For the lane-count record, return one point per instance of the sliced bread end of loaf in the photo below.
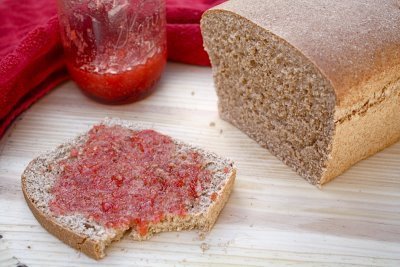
(92, 238)
(271, 92)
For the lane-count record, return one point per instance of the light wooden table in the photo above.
(273, 216)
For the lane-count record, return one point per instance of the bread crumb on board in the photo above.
(204, 247)
(202, 235)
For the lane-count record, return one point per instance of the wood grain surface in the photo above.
(273, 217)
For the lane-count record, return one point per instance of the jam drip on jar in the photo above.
(125, 178)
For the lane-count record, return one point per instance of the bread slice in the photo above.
(91, 236)
(317, 82)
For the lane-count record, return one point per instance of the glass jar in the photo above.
(115, 50)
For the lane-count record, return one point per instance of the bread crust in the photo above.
(363, 135)
(96, 248)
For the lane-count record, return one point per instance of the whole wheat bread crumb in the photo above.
(92, 238)
(295, 129)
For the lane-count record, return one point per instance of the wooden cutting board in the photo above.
(273, 216)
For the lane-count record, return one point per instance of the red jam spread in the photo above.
(122, 178)
(121, 87)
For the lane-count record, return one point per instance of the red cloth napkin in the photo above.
(185, 43)
(31, 62)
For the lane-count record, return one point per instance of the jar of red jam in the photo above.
(115, 50)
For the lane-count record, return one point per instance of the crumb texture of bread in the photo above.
(315, 82)
(90, 237)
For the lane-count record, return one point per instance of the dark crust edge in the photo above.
(80, 242)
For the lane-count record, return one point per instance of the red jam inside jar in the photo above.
(124, 87)
(115, 50)
(125, 178)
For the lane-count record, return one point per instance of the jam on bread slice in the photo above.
(120, 176)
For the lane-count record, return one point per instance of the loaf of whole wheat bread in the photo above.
(317, 82)
(119, 176)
